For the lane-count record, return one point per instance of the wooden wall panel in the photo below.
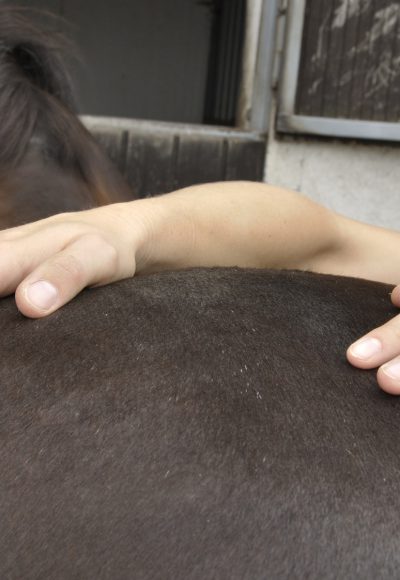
(245, 161)
(115, 145)
(200, 160)
(150, 162)
(158, 158)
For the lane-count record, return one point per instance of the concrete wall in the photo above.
(359, 180)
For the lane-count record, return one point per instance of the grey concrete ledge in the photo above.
(97, 123)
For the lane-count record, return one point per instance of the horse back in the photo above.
(200, 424)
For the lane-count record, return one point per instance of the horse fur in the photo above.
(199, 424)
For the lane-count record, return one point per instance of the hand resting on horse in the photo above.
(48, 262)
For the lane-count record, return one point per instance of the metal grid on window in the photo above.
(344, 78)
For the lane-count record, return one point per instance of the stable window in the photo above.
(341, 73)
(160, 87)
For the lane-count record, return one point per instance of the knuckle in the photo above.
(69, 265)
(111, 259)
(96, 243)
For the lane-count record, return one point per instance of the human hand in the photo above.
(381, 348)
(48, 262)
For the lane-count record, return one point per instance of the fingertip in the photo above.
(37, 299)
(388, 377)
(395, 296)
(364, 352)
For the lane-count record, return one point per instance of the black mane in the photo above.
(39, 127)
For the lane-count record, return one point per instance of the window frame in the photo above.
(289, 122)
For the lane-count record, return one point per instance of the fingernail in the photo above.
(392, 370)
(42, 294)
(366, 348)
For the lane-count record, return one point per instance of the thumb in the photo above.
(87, 261)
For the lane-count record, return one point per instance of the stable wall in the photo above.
(359, 180)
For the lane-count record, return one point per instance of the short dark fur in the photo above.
(41, 137)
(192, 425)
(200, 424)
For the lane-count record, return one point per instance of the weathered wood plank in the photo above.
(114, 143)
(160, 157)
(200, 159)
(245, 160)
(150, 162)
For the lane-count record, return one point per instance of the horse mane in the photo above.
(39, 127)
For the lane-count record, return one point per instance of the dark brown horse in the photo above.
(192, 425)
(49, 163)
(201, 424)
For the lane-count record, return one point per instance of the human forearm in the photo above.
(234, 224)
(251, 224)
(366, 251)
(220, 224)
(48, 262)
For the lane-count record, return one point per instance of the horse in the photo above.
(49, 162)
(191, 424)
(198, 424)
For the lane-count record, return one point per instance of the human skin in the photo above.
(243, 224)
